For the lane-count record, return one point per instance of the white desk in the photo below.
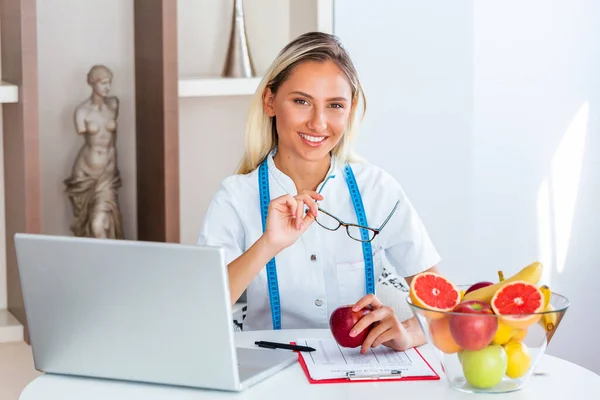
(562, 379)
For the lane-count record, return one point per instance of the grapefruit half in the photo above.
(519, 303)
(434, 292)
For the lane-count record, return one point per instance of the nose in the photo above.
(317, 123)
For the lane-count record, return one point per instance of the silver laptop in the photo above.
(136, 311)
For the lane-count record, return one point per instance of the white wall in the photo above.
(488, 114)
(537, 152)
(415, 63)
(74, 35)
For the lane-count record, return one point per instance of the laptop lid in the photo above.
(132, 310)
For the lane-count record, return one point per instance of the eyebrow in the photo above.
(312, 98)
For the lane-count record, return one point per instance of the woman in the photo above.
(299, 136)
(95, 178)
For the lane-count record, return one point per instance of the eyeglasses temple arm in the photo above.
(389, 216)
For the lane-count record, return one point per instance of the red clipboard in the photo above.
(434, 377)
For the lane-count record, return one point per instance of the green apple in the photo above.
(486, 367)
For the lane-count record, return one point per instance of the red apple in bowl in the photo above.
(478, 285)
(341, 322)
(476, 327)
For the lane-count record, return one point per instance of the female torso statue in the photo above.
(95, 179)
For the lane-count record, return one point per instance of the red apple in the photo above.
(341, 322)
(478, 285)
(475, 327)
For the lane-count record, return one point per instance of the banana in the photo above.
(548, 321)
(531, 273)
(547, 294)
(500, 276)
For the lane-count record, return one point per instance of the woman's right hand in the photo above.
(286, 220)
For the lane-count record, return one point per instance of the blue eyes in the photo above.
(303, 102)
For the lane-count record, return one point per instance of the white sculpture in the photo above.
(95, 179)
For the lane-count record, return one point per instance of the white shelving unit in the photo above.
(9, 93)
(208, 87)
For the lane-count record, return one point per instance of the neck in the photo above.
(97, 99)
(306, 174)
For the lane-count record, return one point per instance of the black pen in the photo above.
(273, 345)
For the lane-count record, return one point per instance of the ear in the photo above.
(268, 98)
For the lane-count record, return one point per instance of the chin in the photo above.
(314, 155)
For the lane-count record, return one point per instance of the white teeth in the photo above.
(313, 138)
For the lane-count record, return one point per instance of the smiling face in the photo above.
(312, 108)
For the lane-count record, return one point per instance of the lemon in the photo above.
(519, 359)
(519, 334)
(503, 334)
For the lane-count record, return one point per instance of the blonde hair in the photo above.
(261, 133)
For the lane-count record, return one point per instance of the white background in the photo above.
(488, 114)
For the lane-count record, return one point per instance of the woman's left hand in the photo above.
(387, 330)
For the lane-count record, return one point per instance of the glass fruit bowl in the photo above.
(488, 353)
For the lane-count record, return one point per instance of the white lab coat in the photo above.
(323, 269)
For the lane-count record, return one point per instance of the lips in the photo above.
(312, 140)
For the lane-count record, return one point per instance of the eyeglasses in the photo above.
(357, 232)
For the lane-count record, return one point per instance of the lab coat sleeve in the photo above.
(222, 226)
(406, 242)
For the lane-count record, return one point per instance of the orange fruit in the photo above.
(439, 329)
(433, 292)
(518, 302)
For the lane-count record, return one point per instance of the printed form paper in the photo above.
(331, 361)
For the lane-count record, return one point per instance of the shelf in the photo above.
(9, 93)
(207, 87)
(11, 329)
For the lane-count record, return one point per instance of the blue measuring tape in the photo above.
(265, 199)
(362, 220)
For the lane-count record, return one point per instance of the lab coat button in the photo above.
(318, 302)
(313, 257)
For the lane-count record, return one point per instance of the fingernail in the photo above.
(353, 332)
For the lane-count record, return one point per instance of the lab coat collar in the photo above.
(288, 184)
